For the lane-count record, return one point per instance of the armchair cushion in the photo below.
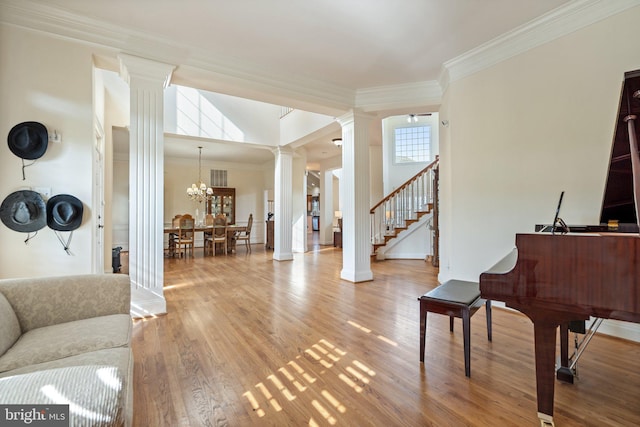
(67, 339)
(9, 326)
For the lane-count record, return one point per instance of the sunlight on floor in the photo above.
(355, 374)
(368, 331)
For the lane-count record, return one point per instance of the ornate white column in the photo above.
(147, 80)
(354, 189)
(283, 198)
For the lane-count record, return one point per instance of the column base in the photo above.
(356, 276)
(146, 303)
(281, 256)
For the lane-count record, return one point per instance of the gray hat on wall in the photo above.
(64, 212)
(28, 140)
(23, 211)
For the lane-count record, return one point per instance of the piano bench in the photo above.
(454, 298)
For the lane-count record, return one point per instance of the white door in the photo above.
(98, 201)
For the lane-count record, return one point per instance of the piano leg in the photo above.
(545, 351)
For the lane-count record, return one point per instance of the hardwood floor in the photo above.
(251, 341)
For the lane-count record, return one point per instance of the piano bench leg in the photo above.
(454, 299)
(466, 331)
(423, 328)
(487, 307)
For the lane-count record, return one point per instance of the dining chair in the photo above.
(173, 237)
(220, 233)
(186, 234)
(246, 234)
(209, 221)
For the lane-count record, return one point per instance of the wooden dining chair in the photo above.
(220, 233)
(173, 237)
(209, 221)
(186, 234)
(246, 234)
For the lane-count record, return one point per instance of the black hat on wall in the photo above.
(64, 212)
(28, 140)
(23, 211)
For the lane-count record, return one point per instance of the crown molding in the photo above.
(559, 22)
(399, 96)
(197, 68)
(229, 75)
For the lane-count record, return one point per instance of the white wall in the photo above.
(49, 81)
(259, 122)
(524, 130)
(376, 186)
(396, 174)
(298, 124)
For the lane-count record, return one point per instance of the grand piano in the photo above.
(592, 270)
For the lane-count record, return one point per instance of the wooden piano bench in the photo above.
(454, 298)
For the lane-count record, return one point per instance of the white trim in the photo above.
(619, 329)
(308, 92)
(559, 22)
(223, 73)
(417, 94)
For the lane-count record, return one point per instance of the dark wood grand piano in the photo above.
(590, 271)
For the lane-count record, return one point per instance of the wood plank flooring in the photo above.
(249, 341)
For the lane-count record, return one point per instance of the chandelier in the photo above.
(199, 191)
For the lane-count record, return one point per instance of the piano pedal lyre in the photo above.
(567, 373)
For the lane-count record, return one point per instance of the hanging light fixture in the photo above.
(337, 142)
(199, 191)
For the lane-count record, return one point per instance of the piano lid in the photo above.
(618, 203)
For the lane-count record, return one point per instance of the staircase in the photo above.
(405, 206)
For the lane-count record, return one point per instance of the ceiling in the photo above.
(334, 47)
(350, 44)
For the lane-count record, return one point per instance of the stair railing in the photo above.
(403, 206)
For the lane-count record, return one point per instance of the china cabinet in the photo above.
(223, 201)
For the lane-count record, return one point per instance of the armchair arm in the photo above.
(47, 301)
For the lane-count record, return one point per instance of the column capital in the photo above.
(145, 69)
(350, 117)
(282, 149)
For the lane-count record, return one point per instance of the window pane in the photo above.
(412, 144)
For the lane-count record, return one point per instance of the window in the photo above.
(412, 144)
(197, 116)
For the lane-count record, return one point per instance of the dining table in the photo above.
(232, 230)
